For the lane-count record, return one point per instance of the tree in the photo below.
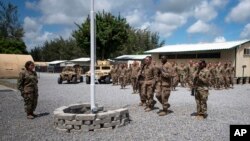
(12, 47)
(57, 49)
(111, 33)
(10, 27)
(11, 31)
(114, 37)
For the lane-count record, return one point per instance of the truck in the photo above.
(102, 72)
(70, 74)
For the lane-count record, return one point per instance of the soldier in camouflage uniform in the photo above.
(149, 84)
(182, 74)
(27, 84)
(163, 95)
(122, 76)
(201, 83)
(226, 76)
(157, 79)
(191, 69)
(113, 74)
(128, 76)
(232, 72)
(134, 72)
(139, 82)
(118, 72)
(175, 77)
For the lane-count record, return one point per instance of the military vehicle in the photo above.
(102, 72)
(70, 74)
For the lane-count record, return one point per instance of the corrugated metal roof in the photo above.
(81, 60)
(131, 57)
(197, 47)
(56, 62)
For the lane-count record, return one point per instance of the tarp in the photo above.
(12, 64)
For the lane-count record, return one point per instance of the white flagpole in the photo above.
(92, 64)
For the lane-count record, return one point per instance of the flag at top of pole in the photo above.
(92, 57)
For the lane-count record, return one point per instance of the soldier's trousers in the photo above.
(163, 97)
(182, 80)
(143, 97)
(148, 90)
(30, 102)
(133, 83)
(113, 77)
(122, 81)
(201, 97)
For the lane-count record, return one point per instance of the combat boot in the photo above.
(30, 116)
(34, 115)
(163, 113)
(148, 109)
(199, 117)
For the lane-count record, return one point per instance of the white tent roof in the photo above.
(56, 62)
(197, 47)
(131, 57)
(80, 60)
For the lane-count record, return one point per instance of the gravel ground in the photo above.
(225, 107)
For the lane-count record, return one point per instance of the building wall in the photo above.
(243, 60)
(12, 64)
(226, 55)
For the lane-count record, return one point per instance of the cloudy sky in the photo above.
(177, 21)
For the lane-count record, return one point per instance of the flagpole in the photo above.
(92, 64)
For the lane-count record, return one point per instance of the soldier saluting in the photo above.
(202, 84)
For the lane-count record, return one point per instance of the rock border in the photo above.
(67, 119)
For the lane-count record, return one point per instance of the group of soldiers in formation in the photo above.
(149, 78)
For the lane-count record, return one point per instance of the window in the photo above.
(106, 68)
(208, 55)
(169, 56)
(246, 51)
(186, 56)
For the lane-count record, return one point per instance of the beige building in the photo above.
(12, 64)
(237, 52)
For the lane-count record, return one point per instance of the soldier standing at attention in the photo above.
(113, 74)
(134, 71)
(232, 72)
(122, 76)
(139, 82)
(182, 75)
(118, 72)
(163, 96)
(201, 83)
(27, 84)
(149, 84)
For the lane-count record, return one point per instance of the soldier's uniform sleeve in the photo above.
(20, 82)
(36, 77)
(204, 77)
(166, 71)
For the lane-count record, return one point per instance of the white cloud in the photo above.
(219, 3)
(240, 13)
(245, 32)
(163, 16)
(205, 12)
(176, 6)
(219, 39)
(199, 27)
(33, 35)
(135, 18)
(166, 23)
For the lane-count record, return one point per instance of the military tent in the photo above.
(12, 64)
